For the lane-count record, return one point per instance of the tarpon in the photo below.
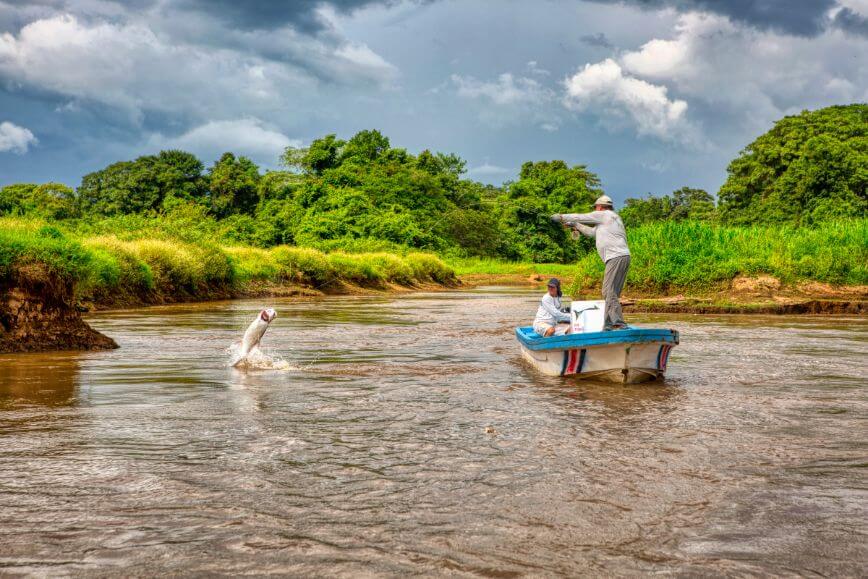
(254, 333)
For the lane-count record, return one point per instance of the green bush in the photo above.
(130, 273)
(391, 267)
(26, 242)
(251, 263)
(356, 268)
(303, 265)
(428, 267)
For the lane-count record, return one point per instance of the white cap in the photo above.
(604, 200)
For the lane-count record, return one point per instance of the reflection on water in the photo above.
(37, 379)
(410, 437)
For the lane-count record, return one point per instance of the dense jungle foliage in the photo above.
(364, 195)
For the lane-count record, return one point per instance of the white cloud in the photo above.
(858, 6)
(187, 70)
(754, 76)
(663, 59)
(506, 90)
(15, 139)
(734, 74)
(248, 136)
(603, 87)
(365, 58)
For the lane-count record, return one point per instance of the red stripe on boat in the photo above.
(574, 359)
(664, 356)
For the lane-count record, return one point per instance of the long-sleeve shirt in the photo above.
(549, 311)
(608, 230)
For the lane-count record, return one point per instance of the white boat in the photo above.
(626, 356)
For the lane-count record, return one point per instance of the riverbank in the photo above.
(48, 277)
(698, 267)
(742, 295)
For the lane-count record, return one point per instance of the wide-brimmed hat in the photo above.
(555, 282)
(604, 200)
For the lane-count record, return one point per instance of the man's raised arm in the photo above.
(592, 218)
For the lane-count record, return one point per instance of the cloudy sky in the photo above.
(650, 94)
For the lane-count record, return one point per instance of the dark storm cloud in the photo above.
(268, 14)
(599, 40)
(851, 22)
(798, 17)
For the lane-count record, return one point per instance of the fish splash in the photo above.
(257, 360)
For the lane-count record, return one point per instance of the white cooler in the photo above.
(587, 316)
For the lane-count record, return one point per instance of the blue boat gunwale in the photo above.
(533, 341)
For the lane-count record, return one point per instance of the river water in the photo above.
(408, 436)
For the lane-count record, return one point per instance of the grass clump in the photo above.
(25, 242)
(358, 268)
(110, 269)
(253, 263)
(130, 274)
(428, 267)
(302, 265)
(391, 267)
(174, 268)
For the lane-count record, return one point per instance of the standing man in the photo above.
(608, 229)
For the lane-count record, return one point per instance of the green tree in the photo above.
(321, 155)
(233, 183)
(141, 185)
(179, 174)
(364, 147)
(48, 201)
(689, 203)
(685, 203)
(638, 211)
(544, 188)
(807, 168)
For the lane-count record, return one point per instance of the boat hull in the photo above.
(625, 356)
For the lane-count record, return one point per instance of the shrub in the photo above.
(391, 267)
(303, 265)
(132, 273)
(173, 266)
(24, 242)
(428, 267)
(356, 268)
(252, 263)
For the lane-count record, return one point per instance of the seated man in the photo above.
(549, 317)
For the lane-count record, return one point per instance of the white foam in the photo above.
(258, 360)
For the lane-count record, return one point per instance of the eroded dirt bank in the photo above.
(38, 312)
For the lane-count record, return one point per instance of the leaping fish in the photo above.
(254, 333)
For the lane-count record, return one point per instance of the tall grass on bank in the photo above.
(495, 267)
(700, 256)
(26, 243)
(107, 269)
(697, 255)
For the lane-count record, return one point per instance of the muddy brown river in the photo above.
(407, 436)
